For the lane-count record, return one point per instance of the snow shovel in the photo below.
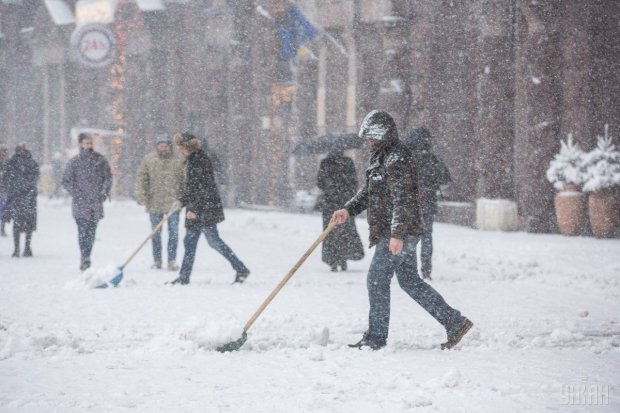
(236, 345)
(119, 274)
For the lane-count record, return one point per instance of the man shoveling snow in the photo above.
(390, 196)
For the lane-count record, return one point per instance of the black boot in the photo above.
(241, 276)
(343, 265)
(16, 243)
(27, 250)
(178, 281)
(84, 265)
(369, 342)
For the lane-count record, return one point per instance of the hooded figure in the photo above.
(432, 174)
(391, 191)
(432, 171)
(337, 180)
(390, 195)
(20, 177)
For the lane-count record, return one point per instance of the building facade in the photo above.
(497, 82)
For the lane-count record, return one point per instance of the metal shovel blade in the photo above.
(233, 345)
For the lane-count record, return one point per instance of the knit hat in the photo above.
(163, 137)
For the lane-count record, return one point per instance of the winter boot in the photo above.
(343, 265)
(172, 266)
(456, 336)
(156, 265)
(178, 281)
(241, 276)
(27, 250)
(367, 342)
(84, 265)
(16, 242)
(333, 267)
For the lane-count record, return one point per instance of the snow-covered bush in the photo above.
(567, 167)
(602, 165)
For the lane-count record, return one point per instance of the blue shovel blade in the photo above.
(114, 281)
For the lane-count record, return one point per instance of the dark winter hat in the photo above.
(379, 125)
(163, 137)
(187, 141)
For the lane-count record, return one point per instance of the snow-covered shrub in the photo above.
(567, 167)
(602, 165)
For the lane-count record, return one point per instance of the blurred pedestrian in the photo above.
(203, 209)
(432, 173)
(88, 180)
(20, 177)
(390, 196)
(159, 182)
(3, 155)
(337, 180)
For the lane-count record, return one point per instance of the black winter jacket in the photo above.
(201, 195)
(390, 193)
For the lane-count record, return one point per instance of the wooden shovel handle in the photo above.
(161, 223)
(288, 276)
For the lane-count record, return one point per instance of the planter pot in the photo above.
(570, 211)
(604, 213)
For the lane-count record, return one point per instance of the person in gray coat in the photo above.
(88, 179)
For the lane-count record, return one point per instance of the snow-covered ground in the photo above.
(546, 310)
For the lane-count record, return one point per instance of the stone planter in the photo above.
(604, 213)
(570, 210)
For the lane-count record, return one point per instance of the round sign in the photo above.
(94, 44)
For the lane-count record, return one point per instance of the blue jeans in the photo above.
(382, 268)
(213, 238)
(173, 235)
(87, 229)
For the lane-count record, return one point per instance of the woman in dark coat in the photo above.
(20, 177)
(337, 180)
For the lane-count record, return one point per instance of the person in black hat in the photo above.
(159, 182)
(390, 196)
(204, 209)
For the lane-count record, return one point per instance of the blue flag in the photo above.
(294, 30)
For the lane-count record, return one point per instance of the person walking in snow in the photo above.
(3, 155)
(20, 177)
(432, 173)
(204, 209)
(159, 182)
(390, 196)
(337, 180)
(88, 179)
